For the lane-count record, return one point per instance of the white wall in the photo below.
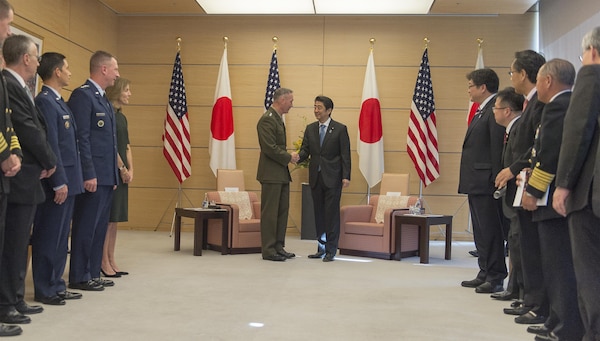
(563, 24)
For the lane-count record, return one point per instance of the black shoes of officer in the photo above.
(12, 316)
(69, 295)
(51, 300)
(530, 318)
(329, 257)
(90, 285)
(474, 283)
(539, 330)
(8, 330)
(275, 258)
(504, 296)
(27, 309)
(488, 288)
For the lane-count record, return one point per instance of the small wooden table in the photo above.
(201, 216)
(424, 221)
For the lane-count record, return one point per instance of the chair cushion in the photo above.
(363, 228)
(386, 201)
(241, 199)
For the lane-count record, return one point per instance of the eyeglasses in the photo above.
(39, 58)
(472, 85)
(510, 73)
(498, 108)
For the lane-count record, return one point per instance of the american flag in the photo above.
(176, 136)
(421, 142)
(273, 81)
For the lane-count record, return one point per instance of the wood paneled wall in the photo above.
(317, 55)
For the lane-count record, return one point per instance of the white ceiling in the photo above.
(439, 7)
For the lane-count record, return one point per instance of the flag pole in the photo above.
(178, 203)
(275, 40)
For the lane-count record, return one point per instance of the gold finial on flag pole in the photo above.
(225, 41)
(426, 40)
(178, 44)
(275, 39)
(372, 41)
(479, 42)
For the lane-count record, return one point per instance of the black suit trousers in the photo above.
(531, 257)
(488, 233)
(19, 219)
(557, 265)
(515, 284)
(585, 243)
(326, 203)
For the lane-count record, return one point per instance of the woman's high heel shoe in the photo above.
(115, 275)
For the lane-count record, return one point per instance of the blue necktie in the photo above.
(322, 134)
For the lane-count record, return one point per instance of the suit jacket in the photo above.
(29, 125)
(481, 158)
(96, 133)
(274, 158)
(333, 157)
(578, 163)
(61, 130)
(509, 156)
(544, 155)
(9, 143)
(525, 134)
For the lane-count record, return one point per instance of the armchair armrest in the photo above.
(355, 213)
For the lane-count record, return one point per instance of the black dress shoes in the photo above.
(12, 316)
(52, 300)
(27, 309)
(539, 330)
(550, 337)
(286, 254)
(319, 254)
(517, 310)
(6, 330)
(329, 257)
(69, 295)
(488, 288)
(104, 282)
(123, 273)
(88, 286)
(504, 296)
(275, 258)
(474, 283)
(530, 318)
(474, 253)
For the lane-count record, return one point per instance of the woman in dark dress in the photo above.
(118, 95)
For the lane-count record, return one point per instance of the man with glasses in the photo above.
(507, 112)
(577, 194)
(480, 161)
(523, 76)
(21, 58)
(10, 149)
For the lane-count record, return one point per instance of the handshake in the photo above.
(295, 158)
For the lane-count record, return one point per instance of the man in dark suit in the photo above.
(480, 161)
(577, 194)
(507, 112)
(21, 58)
(274, 176)
(523, 76)
(554, 82)
(10, 149)
(52, 224)
(96, 134)
(327, 144)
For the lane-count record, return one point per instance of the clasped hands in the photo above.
(295, 157)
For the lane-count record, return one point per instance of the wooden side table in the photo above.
(424, 221)
(201, 216)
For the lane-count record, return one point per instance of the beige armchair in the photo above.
(244, 232)
(362, 235)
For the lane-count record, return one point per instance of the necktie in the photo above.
(322, 134)
(29, 94)
(505, 137)
(525, 104)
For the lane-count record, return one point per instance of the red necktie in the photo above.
(525, 104)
